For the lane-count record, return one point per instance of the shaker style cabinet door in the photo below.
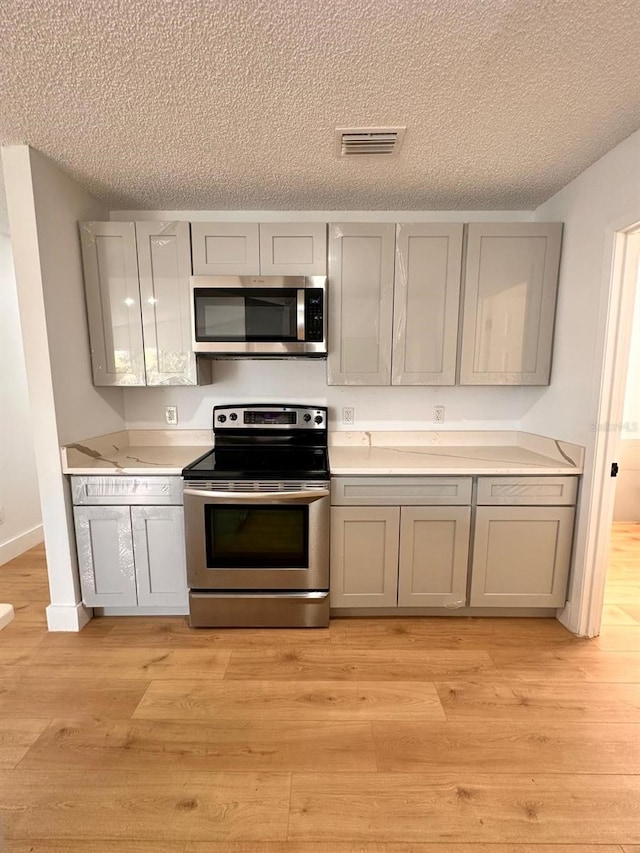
(521, 556)
(105, 556)
(113, 302)
(509, 304)
(426, 303)
(434, 556)
(158, 545)
(225, 248)
(361, 260)
(293, 248)
(364, 556)
(164, 261)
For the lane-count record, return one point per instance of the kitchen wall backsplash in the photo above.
(304, 381)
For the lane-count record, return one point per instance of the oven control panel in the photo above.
(270, 417)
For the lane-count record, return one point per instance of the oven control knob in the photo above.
(221, 419)
(233, 416)
(318, 419)
(306, 417)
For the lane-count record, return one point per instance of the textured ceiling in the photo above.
(232, 104)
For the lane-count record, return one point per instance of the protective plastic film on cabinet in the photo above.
(105, 555)
(113, 302)
(426, 302)
(361, 259)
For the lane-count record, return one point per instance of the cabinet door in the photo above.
(293, 248)
(509, 304)
(164, 259)
(225, 248)
(113, 302)
(521, 556)
(426, 303)
(360, 303)
(105, 556)
(158, 545)
(434, 556)
(364, 556)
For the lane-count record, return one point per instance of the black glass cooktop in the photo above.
(260, 464)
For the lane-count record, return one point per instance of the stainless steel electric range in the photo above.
(257, 520)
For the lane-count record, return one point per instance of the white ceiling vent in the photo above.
(378, 141)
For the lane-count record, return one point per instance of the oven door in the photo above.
(255, 540)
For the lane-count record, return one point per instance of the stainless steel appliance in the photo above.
(257, 514)
(259, 315)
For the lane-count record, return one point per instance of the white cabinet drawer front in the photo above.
(127, 490)
(531, 491)
(394, 491)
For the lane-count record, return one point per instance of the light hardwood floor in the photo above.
(447, 735)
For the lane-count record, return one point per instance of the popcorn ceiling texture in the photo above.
(232, 104)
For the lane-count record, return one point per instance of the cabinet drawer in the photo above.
(126, 490)
(394, 491)
(527, 491)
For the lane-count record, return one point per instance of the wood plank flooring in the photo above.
(424, 735)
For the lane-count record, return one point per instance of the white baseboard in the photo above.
(68, 617)
(6, 615)
(19, 544)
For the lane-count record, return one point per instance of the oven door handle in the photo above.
(258, 497)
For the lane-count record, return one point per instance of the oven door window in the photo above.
(257, 537)
(237, 315)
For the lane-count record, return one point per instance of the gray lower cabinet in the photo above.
(522, 542)
(130, 555)
(410, 555)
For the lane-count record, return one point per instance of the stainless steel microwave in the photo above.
(259, 315)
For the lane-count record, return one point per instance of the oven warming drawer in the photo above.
(258, 610)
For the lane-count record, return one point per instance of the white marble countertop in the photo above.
(350, 453)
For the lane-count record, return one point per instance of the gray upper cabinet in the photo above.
(296, 248)
(509, 304)
(426, 302)
(113, 302)
(137, 288)
(225, 248)
(249, 248)
(361, 262)
(164, 267)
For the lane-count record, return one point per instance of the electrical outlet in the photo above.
(438, 414)
(348, 415)
(171, 415)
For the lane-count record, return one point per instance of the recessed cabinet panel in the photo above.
(164, 258)
(158, 543)
(293, 248)
(426, 302)
(221, 248)
(105, 556)
(510, 295)
(360, 304)
(434, 555)
(364, 556)
(113, 302)
(521, 556)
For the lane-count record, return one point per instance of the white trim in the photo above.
(6, 615)
(21, 543)
(622, 248)
(68, 617)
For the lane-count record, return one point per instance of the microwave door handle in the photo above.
(260, 497)
(300, 313)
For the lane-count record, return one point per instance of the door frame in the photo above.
(622, 255)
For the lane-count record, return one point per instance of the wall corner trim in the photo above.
(68, 617)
